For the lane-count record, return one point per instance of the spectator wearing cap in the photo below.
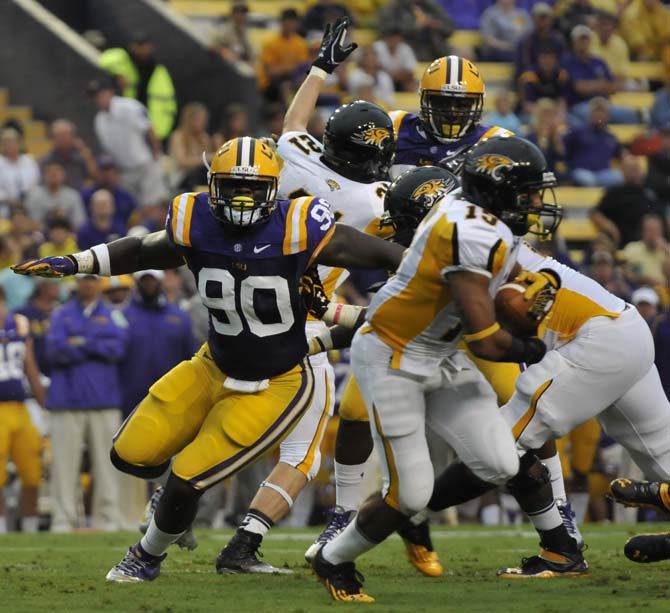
(610, 47)
(321, 13)
(622, 207)
(591, 77)
(281, 55)
(648, 260)
(109, 179)
(187, 144)
(592, 149)
(101, 226)
(368, 81)
(141, 77)
(546, 79)
(19, 172)
(426, 26)
(53, 198)
(396, 58)
(124, 130)
(60, 238)
(646, 301)
(72, 153)
(541, 36)
(502, 26)
(645, 26)
(116, 291)
(576, 13)
(232, 42)
(605, 270)
(85, 342)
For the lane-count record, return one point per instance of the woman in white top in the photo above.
(367, 81)
(18, 172)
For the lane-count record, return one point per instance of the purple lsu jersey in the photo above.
(13, 337)
(416, 147)
(249, 280)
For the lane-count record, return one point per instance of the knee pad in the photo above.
(178, 505)
(532, 475)
(143, 472)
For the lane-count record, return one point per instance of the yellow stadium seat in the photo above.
(578, 197)
(407, 101)
(35, 130)
(465, 38)
(22, 114)
(364, 36)
(652, 71)
(38, 147)
(627, 132)
(259, 36)
(270, 8)
(4, 96)
(634, 100)
(577, 230)
(576, 255)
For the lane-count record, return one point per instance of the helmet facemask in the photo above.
(450, 116)
(242, 201)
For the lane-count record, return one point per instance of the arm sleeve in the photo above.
(475, 246)
(58, 350)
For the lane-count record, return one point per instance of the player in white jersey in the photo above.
(411, 372)
(348, 168)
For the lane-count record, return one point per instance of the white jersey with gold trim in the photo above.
(414, 312)
(356, 204)
(578, 299)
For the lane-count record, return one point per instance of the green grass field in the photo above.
(59, 573)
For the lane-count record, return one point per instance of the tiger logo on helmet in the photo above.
(243, 179)
(452, 97)
(377, 137)
(493, 165)
(431, 191)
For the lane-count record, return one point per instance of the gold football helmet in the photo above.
(243, 179)
(452, 97)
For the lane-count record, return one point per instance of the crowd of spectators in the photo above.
(569, 60)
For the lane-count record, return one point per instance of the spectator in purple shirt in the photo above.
(109, 179)
(541, 36)
(544, 80)
(465, 13)
(590, 77)
(592, 148)
(101, 227)
(660, 330)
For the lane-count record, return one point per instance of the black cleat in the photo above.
(546, 565)
(240, 555)
(342, 581)
(419, 548)
(641, 493)
(644, 548)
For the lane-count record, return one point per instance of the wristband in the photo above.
(342, 314)
(485, 333)
(101, 253)
(85, 261)
(315, 71)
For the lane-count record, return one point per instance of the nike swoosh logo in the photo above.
(259, 249)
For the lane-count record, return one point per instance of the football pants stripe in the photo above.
(392, 496)
(306, 465)
(527, 417)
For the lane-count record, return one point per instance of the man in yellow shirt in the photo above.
(281, 55)
(609, 46)
(60, 237)
(648, 260)
(645, 25)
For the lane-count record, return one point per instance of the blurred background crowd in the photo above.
(586, 80)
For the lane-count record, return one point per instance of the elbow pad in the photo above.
(525, 350)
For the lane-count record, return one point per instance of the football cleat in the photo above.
(240, 555)
(419, 548)
(337, 520)
(570, 522)
(644, 548)
(547, 565)
(342, 581)
(641, 493)
(185, 541)
(137, 565)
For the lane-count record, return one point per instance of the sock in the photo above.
(257, 522)
(580, 504)
(347, 545)
(30, 523)
(558, 540)
(348, 479)
(3, 524)
(553, 465)
(547, 518)
(162, 479)
(156, 542)
(491, 515)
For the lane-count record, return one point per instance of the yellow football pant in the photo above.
(212, 431)
(20, 441)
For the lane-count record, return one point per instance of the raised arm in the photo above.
(351, 249)
(125, 255)
(332, 53)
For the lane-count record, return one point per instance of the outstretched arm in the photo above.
(351, 249)
(303, 103)
(121, 256)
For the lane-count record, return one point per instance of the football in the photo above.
(512, 310)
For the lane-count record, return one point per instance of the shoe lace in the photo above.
(568, 517)
(131, 563)
(155, 499)
(336, 523)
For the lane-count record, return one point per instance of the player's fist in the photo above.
(313, 293)
(54, 266)
(333, 51)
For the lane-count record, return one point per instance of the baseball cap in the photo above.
(118, 282)
(541, 8)
(580, 31)
(645, 294)
(159, 275)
